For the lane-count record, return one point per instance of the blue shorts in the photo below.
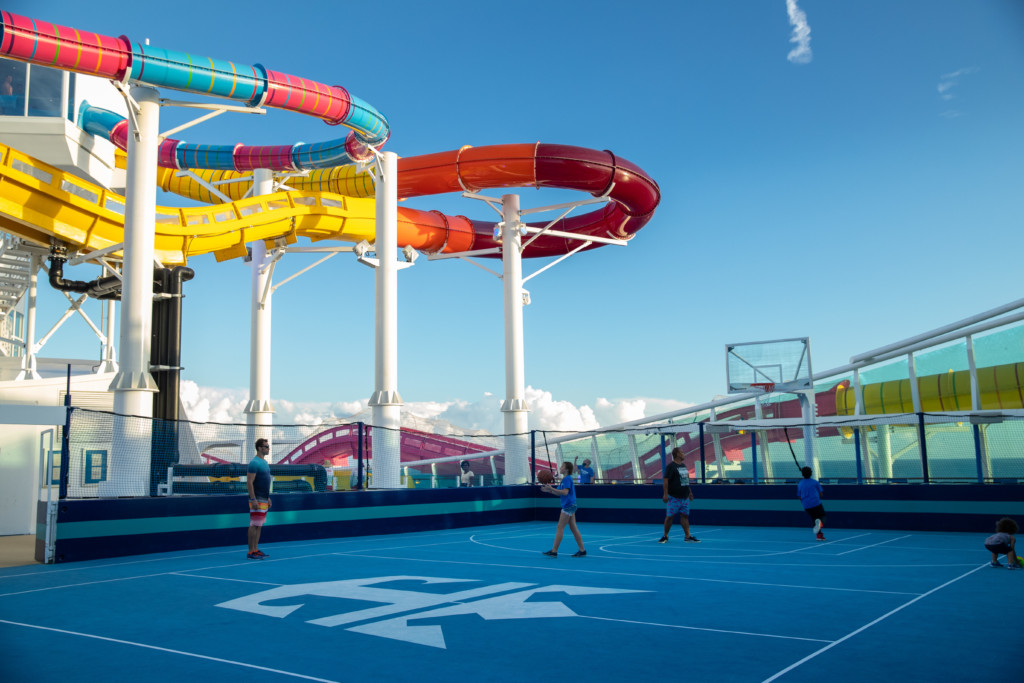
(569, 510)
(677, 506)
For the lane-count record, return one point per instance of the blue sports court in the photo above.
(745, 604)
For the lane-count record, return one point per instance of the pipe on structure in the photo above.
(100, 288)
(165, 365)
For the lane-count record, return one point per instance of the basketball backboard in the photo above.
(786, 363)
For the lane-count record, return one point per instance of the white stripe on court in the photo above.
(223, 578)
(673, 577)
(870, 624)
(699, 628)
(873, 545)
(168, 650)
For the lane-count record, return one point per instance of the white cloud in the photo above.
(801, 54)
(208, 404)
(946, 84)
(948, 81)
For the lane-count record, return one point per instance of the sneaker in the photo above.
(817, 526)
(550, 553)
(663, 539)
(820, 536)
(580, 553)
(692, 539)
(253, 556)
(262, 555)
(995, 563)
(1015, 565)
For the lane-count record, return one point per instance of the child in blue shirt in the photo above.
(809, 492)
(567, 490)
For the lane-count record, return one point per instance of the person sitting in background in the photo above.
(467, 474)
(7, 92)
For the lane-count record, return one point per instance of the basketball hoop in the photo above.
(764, 387)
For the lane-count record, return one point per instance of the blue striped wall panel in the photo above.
(94, 529)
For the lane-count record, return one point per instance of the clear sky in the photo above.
(848, 171)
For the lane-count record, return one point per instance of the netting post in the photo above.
(65, 443)
(359, 458)
(924, 447)
(977, 453)
(703, 457)
(533, 456)
(753, 454)
(663, 454)
(857, 454)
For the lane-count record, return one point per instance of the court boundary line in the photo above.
(168, 650)
(873, 545)
(704, 628)
(675, 577)
(868, 625)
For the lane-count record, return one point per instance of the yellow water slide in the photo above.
(40, 202)
(1001, 388)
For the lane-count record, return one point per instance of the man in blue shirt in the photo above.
(258, 480)
(586, 473)
(809, 492)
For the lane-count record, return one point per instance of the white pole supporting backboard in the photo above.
(515, 409)
(973, 368)
(915, 390)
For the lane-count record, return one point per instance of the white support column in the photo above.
(28, 360)
(807, 416)
(596, 458)
(973, 368)
(386, 403)
(858, 406)
(133, 386)
(915, 389)
(634, 457)
(884, 436)
(259, 412)
(108, 363)
(517, 461)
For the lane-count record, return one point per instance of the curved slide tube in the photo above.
(119, 59)
(40, 202)
(633, 193)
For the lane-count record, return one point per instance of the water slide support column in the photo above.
(517, 466)
(386, 403)
(28, 361)
(133, 386)
(259, 412)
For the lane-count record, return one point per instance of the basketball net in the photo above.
(765, 390)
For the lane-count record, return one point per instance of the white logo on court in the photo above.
(500, 601)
